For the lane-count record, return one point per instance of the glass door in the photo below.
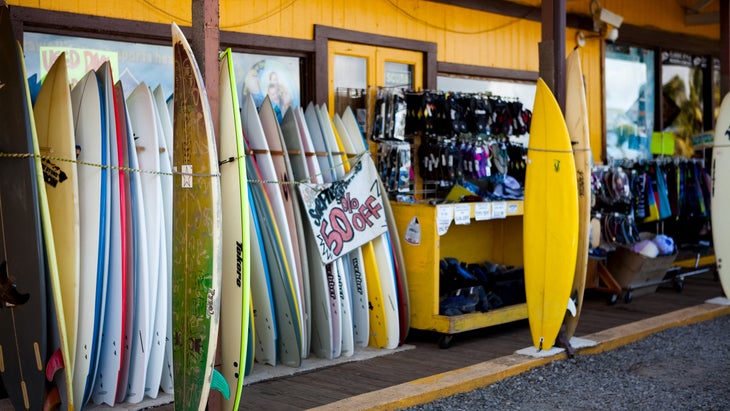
(356, 70)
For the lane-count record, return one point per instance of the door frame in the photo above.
(323, 34)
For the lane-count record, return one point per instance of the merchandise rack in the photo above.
(498, 239)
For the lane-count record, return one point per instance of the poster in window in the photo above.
(277, 77)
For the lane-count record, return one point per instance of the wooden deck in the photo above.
(325, 385)
(330, 384)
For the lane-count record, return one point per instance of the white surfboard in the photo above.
(280, 159)
(134, 391)
(333, 147)
(328, 172)
(384, 258)
(128, 332)
(721, 194)
(235, 277)
(165, 117)
(166, 380)
(254, 133)
(105, 386)
(141, 115)
(86, 104)
(296, 141)
(160, 364)
(358, 284)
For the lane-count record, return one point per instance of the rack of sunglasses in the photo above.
(432, 141)
(667, 195)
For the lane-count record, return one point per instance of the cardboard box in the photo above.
(634, 271)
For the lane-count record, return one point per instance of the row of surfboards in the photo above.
(300, 306)
(124, 236)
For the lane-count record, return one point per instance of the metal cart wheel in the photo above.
(445, 341)
(612, 299)
(628, 297)
(679, 285)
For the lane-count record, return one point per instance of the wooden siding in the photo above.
(463, 35)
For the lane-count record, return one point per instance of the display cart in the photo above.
(473, 232)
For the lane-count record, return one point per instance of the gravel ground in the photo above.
(685, 368)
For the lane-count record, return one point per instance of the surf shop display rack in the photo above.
(666, 195)
(434, 150)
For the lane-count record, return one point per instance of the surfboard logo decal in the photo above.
(727, 133)
(52, 174)
(556, 165)
(211, 299)
(239, 262)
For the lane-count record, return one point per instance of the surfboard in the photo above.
(165, 120)
(550, 232)
(399, 263)
(279, 157)
(329, 175)
(93, 194)
(197, 237)
(22, 268)
(138, 351)
(321, 316)
(53, 106)
(110, 340)
(378, 326)
(166, 382)
(261, 298)
(328, 321)
(274, 223)
(576, 119)
(358, 285)
(142, 116)
(128, 331)
(721, 193)
(288, 346)
(383, 254)
(236, 279)
(342, 166)
(160, 364)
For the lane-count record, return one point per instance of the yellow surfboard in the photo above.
(550, 235)
(576, 119)
(55, 132)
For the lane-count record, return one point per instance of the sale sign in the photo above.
(347, 213)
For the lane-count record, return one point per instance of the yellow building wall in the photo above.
(463, 36)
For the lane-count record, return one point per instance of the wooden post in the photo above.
(552, 48)
(205, 44)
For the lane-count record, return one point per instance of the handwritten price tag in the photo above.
(462, 214)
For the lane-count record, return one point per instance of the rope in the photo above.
(354, 160)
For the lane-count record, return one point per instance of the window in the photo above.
(682, 98)
(629, 102)
(131, 63)
(523, 91)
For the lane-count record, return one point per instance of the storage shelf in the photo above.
(445, 231)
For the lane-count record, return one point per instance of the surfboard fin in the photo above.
(54, 364)
(53, 400)
(219, 383)
(571, 307)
